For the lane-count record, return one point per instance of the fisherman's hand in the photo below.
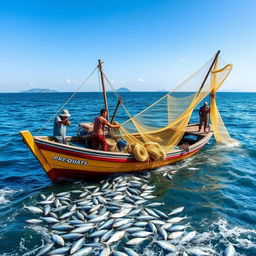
(68, 123)
(118, 126)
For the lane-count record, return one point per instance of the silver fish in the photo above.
(162, 233)
(72, 236)
(107, 235)
(176, 210)
(151, 212)
(83, 251)
(77, 245)
(63, 194)
(188, 237)
(136, 241)
(140, 234)
(176, 219)
(98, 219)
(58, 239)
(169, 176)
(43, 196)
(197, 252)
(151, 226)
(175, 235)
(105, 252)
(98, 233)
(45, 202)
(167, 226)
(119, 223)
(66, 215)
(45, 249)
(47, 210)
(34, 221)
(107, 224)
(82, 229)
(160, 213)
(117, 236)
(50, 197)
(130, 252)
(166, 246)
(145, 217)
(230, 250)
(50, 219)
(176, 228)
(62, 227)
(140, 224)
(61, 250)
(34, 209)
(155, 204)
(158, 222)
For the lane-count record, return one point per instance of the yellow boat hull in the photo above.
(64, 161)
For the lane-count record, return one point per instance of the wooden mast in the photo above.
(215, 58)
(117, 105)
(103, 87)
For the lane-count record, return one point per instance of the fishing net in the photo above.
(165, 121)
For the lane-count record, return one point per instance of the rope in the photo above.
(176, 88)
(54, 115)
(173, 90)
(117, 95)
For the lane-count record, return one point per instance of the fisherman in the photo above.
(60, 124)
(204, 116)
(98, 130)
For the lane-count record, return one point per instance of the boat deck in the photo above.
(193, 129)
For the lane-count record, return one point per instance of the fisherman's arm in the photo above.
(111, 125)
(66, 122)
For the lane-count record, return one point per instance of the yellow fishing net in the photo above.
(165, 121)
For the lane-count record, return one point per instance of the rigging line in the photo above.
(178, 86)
(117, 95)
(81, 85)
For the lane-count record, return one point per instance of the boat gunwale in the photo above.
(119, 155)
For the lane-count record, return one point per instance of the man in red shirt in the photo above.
(98, 130)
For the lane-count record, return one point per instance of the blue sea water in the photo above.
(217, 186)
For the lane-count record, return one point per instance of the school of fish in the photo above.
(116, 217)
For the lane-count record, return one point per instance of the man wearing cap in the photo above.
(60, 125)
(204, 116)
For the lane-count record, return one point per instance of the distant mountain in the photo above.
(162, 90)
(39, 90)
(123, 89)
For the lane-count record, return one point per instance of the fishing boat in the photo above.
(176, 136)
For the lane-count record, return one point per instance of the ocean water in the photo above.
(217, 186)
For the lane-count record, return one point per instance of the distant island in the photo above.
(123, 89)
(38, 90)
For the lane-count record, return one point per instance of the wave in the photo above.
(221, 231)
(5, 195)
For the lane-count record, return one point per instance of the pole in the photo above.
(215, 58)
(117, 105)
(103, 87)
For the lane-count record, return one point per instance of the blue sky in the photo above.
(145, 44)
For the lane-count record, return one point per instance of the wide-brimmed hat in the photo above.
(65, 113)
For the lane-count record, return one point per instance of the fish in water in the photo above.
(230, 250)
(97, 217)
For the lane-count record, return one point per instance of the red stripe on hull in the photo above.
(56, 174)
(82, 155)
(88, 156)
